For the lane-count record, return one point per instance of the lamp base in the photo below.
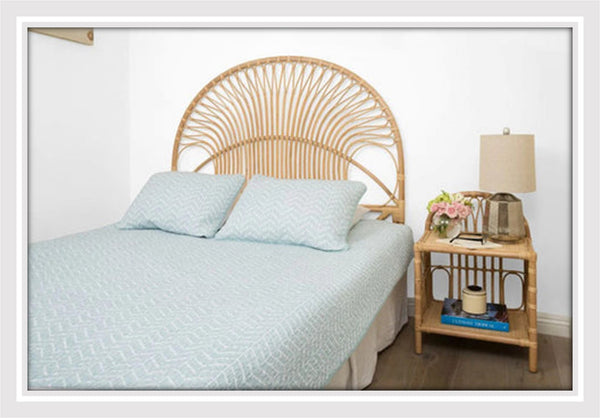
(503, 219)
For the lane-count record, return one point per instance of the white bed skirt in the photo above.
(357, 372)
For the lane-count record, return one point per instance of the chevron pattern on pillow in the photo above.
(184, 203)
(313, 213)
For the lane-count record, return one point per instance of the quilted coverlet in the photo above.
(147, 309)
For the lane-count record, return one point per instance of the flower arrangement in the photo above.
(449, 210)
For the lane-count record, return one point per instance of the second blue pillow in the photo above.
(314, 213)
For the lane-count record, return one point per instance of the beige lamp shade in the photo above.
(507, 163)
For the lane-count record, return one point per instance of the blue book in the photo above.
(496, 317)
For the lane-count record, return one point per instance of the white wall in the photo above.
(78, 133)
(445, 88)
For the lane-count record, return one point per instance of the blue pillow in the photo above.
(183, 202)
(314, 213)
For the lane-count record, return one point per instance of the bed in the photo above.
(149, 309)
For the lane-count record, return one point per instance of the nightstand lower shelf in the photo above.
(517, 334)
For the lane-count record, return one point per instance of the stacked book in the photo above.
(496, 317)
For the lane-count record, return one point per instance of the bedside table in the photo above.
(483, 267)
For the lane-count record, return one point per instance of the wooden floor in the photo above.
(462, 364)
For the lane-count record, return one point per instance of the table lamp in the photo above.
(506, 165)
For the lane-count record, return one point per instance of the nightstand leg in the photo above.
(532, 312)
(418, 303)
(533, 354)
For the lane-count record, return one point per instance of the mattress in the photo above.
(147, 309)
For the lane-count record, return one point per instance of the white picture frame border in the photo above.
(24, 23)
(30, 398)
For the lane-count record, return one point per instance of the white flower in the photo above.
(457, 197)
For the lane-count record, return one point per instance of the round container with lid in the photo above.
(474, 300)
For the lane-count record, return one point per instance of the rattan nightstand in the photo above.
(484, 267)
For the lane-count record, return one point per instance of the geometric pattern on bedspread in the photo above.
(147, 309)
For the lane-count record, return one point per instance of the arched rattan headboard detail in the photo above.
(293, 117)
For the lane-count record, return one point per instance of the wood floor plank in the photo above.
(396, 364)
(437, 365)
(481, 367)
(464, 364)
(546, 378)
(563, 351)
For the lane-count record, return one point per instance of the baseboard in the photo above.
(557, 325)
(549, 324)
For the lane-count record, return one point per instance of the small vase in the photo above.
(454, 229)
(449, 228)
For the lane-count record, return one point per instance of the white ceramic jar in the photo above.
(474, 300)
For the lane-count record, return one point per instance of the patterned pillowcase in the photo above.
(183, 202)
(314, 213)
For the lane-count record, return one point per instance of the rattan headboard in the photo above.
(295, 117)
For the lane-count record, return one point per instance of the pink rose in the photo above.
(452, 210)
(434, 207)
(463, 211)
(441, 208)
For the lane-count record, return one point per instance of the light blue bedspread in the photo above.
(146, 309)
